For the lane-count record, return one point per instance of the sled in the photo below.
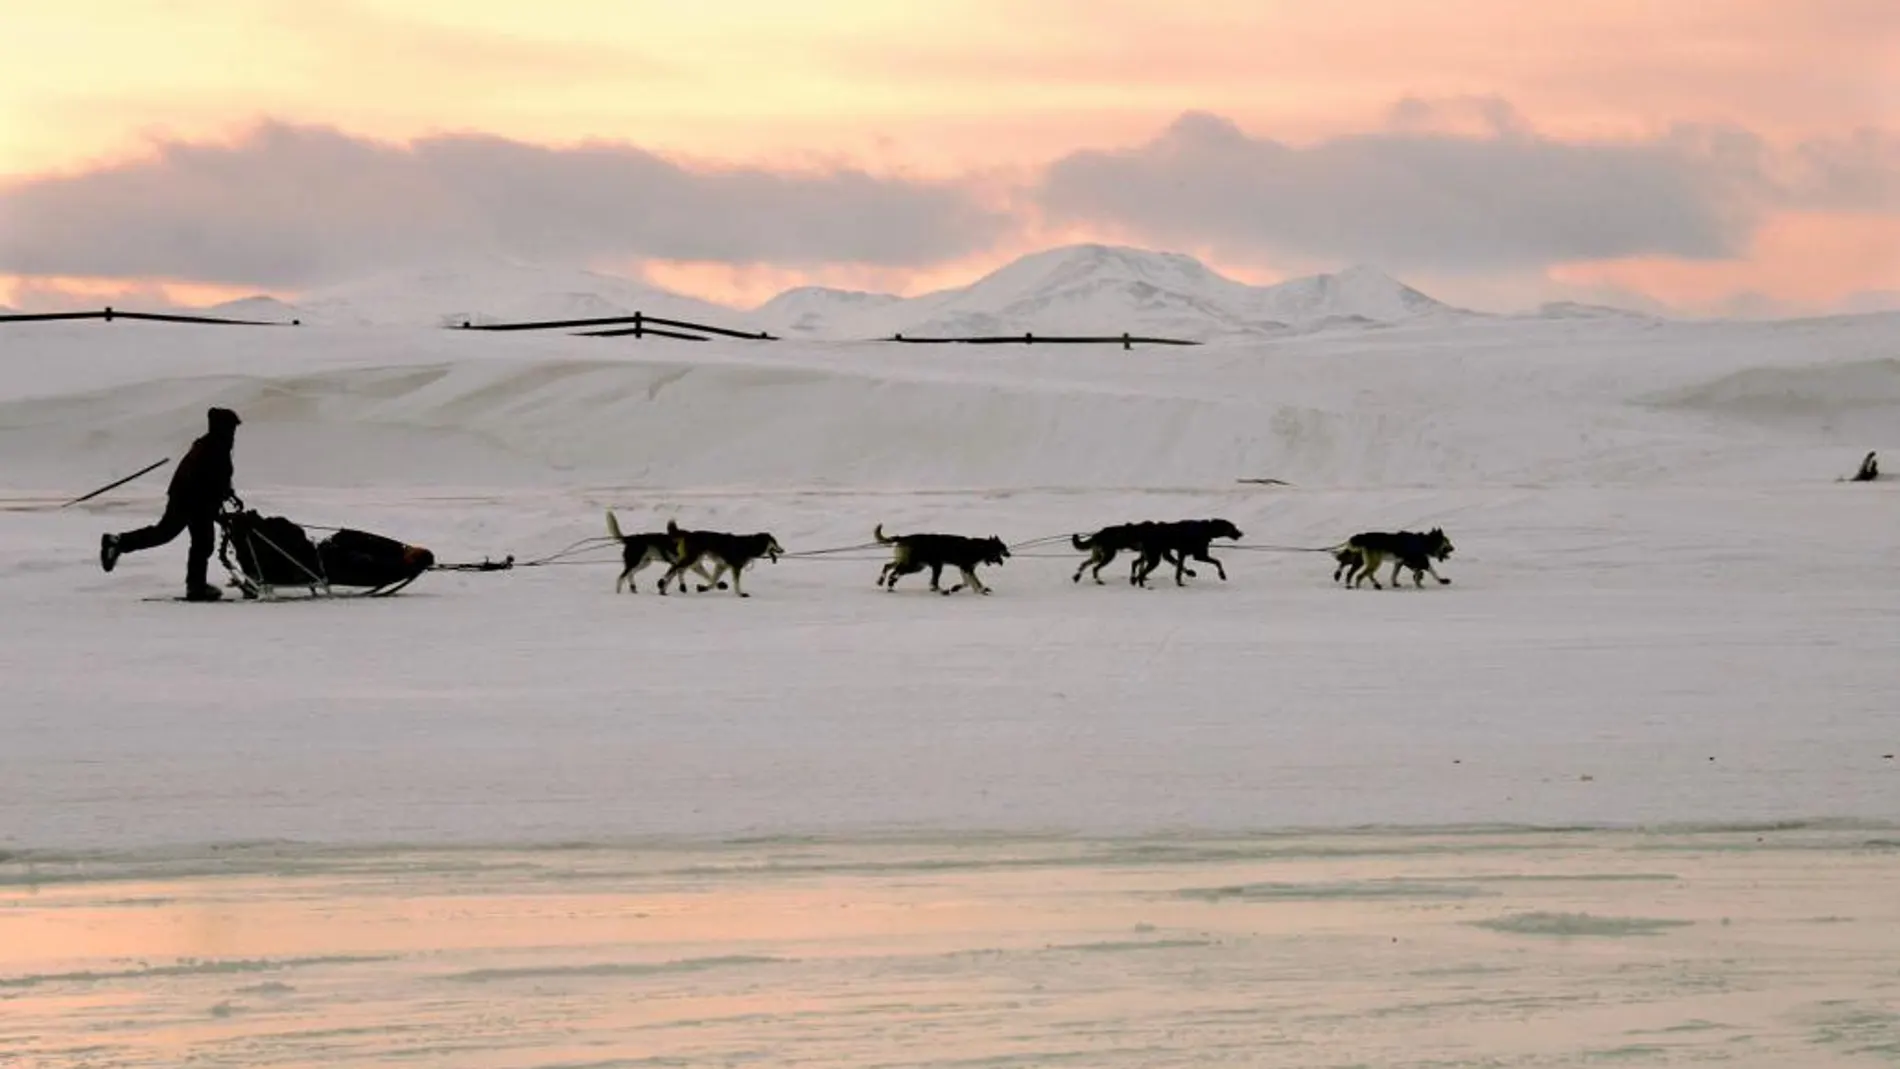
(269, 556)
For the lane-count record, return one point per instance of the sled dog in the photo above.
(915, 552)
(728, 552)
(1360, 556)
(644, 548)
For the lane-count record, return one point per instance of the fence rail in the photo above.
(1126, 341)
(108, 314)
(638, 324)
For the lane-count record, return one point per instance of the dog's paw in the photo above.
(1444, 582)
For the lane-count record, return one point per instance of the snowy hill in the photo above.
(260, 307)
(1079, 289)
(1583, 310)
(500, 290)
(1654, 566)
(818, 311)
(1356, 294)
(1103, 289)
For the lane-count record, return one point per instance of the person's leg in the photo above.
(114, 546)
(203, 539)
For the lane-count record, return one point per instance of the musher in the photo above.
(199, 488)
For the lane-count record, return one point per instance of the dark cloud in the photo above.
(1426, 192)
(298, 205)
(1855, 174)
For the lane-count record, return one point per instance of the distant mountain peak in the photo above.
(1098, 288)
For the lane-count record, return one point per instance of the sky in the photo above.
(1702, 156)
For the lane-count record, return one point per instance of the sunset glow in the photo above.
(981, 99)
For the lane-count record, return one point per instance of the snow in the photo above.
(1107, 290)
(262, 308)
(817, 311)
(1654, 568)
(515, 819)
(1078, 289)
(501, 290)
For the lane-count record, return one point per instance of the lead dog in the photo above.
(915, 552)
(1360, 556)
(639, 550)
(728, 553)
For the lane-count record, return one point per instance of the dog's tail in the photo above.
(613, 527)
(882, 539)
(1079, 542)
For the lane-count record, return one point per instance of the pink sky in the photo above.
(1705, 155)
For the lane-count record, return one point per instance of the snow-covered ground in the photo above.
(832, 823)
(1665, 609)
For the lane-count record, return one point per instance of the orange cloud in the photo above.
(1807, 261)
(935, 89)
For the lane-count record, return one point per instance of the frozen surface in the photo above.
(1757, 948)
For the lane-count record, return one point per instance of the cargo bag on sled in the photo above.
(265, 552)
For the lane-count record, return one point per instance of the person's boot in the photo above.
(108, 551)
(203, 592)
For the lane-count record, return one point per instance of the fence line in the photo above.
(637, 325)
(109, 314)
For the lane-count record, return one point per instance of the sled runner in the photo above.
(265, 553)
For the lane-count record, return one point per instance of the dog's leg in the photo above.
(712, 581)
(1101, 561)
(936, 576)
(677, 571)
(969, 578)
(1442, 581)
(1218, 568)
(1368, 570)
(1394, 579)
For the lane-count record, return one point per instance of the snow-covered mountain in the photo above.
(1077, 289)
(1358, 293)
(818, 311)
(500, 290)
(1104, 289)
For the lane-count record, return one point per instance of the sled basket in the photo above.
(266, 552)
